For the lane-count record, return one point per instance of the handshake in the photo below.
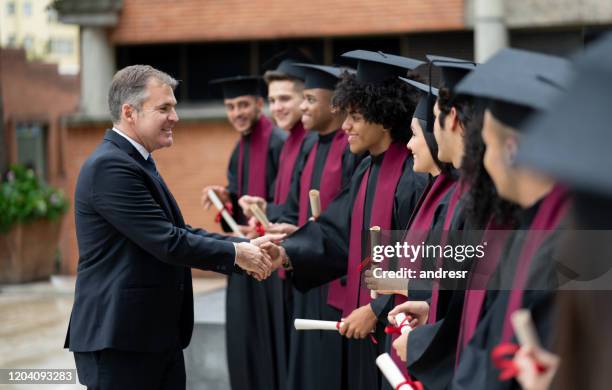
(261, 256)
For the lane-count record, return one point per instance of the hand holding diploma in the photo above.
(221, 193)
(246, 201)
(535, 366)
(214, 199)
(416, 312)
(360, 323)
(385, 286)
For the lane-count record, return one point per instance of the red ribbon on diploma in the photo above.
(227, 207)
(502, 356)
(414, 384)
(390, 329)
(259, 228)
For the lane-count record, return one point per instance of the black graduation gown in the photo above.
(319, 252)
(538, 298)
(256, 354)
(431, 347)
(314, 357)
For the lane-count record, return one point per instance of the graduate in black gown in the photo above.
(526, 273)
(325, 165)
(285, 96)
(584, 313)
(254, 360)
(383, 192)
(452, 116)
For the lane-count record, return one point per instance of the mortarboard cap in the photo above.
(517, 83)
(572, 143)
(321, 76)
(284, 62)
(426, 102)
(376, 67)
(452, 70)
(239, 86)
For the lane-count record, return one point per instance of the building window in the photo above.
(10, 8)
(28, 43)
(61, 46)
(27, 8)
(12, 41)
(32, 147)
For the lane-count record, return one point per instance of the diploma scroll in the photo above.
(226, 216)
(302, 324)
(524, 328)
(392, 372)
(374, 241)
(315, 203)
(260, 216)
(402, 323)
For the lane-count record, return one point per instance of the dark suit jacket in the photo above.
(133, 289)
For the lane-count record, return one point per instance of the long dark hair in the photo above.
(483, 202)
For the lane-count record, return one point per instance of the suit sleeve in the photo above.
(120, 195)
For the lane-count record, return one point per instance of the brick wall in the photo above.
(156, 21)
(33, 91)
(198, 157)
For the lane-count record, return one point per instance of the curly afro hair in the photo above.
(390, 104)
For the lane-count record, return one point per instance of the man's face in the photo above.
(362, 135)
(498, 157)
(423, 161)
(284, 103)
(449, 137)
(316, 109)
(243, 112)
(155, 121)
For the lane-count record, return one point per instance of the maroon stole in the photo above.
(553, 207)
(418, 226)
(352, 296)
(288, 157)
(331, 178)
(460, 189)
(258, 158)
(476, 292)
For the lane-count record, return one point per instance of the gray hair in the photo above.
(129, 86)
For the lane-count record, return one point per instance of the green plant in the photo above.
(24, 198)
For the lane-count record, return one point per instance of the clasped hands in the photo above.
(261, 256)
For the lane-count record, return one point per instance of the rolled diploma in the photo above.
(399, 318)
(374, 240)
(524, 328)
(226, 216)
(260, 215)
(391, 372)
(302, 324)
(315, 203)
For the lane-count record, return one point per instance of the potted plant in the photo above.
(30, 223)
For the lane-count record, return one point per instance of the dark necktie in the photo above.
(151, 167)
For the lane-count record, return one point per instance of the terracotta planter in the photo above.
(27, 252)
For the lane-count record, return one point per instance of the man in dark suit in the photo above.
(133, 307)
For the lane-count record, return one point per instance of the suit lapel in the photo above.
(161, 194)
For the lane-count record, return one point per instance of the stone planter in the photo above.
(27, 252)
